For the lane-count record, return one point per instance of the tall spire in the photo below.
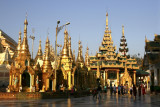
(46, 60)
(107, 20)
(79, 51)
(69, 48)
(25, 26)
(74, 56)
(65, 47)
(80, 60)
(39, 53)
(24, 45)
(19, 43)
(87, 61)
(146, 39)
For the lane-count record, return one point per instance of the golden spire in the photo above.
(146, 39)
(79, 52)
(19, 43)
(65, 47)
(74, 56)
(107, 20)
(24, 45)
(87, 61)
(80, 57)
(39, 53)
(69, 48)
(122, 30)
(25, 26)
(46, 60)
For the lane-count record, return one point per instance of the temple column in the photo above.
(13, 79)
(32, 80)
(10, 79)
(134, 77)
(47, 84)
(117, 78)
(69, 80)
(20, 80)
(106, 76)
(73, 79)
(52, 85)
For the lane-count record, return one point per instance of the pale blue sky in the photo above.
(87, 18)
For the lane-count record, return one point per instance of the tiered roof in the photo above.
(123, 45)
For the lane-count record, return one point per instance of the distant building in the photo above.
(7, 42)
(151, 61)
(7, 49)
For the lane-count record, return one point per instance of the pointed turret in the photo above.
(107, 20)
(46, 60)
(146, 40)
(18, 49)
(79, 52)
(74, 58)
(87, 60)
(69, 48)
(39, 53)
(24, 45)
(80, 59)
(65, 47)
(123, 45)
(107, 47)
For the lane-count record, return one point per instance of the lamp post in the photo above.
(57, 31)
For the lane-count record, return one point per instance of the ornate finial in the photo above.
(107, 20)
(79, 42)
(146, 39)
(47, 40)
(47, 31)
(122, 30)
(65, 32)
(20, 33)
(107, 14)
(65, 46)
(25, 22)
(87, 48)
(155, 35)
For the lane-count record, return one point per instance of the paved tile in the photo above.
(106, 100)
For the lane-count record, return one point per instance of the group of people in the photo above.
(122, 90)
(132, 90)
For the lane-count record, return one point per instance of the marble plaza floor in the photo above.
(105, 101)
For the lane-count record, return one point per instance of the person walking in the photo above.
(111, 89)
(134, 91)
(143, 90)
(139, 90)
(105, 89)
(126, 88)
(99, 91)
(114, 89)
(131, 90)
(119, 89)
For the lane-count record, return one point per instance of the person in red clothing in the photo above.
(143, 90)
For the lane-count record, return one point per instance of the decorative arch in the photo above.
(26, 79)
